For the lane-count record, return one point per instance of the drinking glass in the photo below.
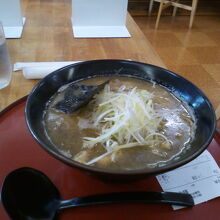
(5, 62)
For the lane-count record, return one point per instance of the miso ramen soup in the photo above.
(130, 124)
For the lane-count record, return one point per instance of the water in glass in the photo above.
(5, 63)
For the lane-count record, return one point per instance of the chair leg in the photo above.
(194, 6)
(159, 13)
(150, 7)
(174, 10)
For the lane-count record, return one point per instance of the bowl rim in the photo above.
(146, 171)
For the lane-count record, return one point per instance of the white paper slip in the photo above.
(38, 70)
(200, 178)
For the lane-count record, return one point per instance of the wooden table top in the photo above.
(47, 36)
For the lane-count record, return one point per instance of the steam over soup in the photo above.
(130, 124)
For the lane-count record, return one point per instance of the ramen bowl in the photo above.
(181, 87)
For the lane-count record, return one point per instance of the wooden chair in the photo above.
(175, 3)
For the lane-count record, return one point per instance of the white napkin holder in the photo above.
(99, 18)
(11, 18)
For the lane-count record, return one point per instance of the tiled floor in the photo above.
(193, 53)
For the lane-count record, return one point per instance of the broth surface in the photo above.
(66, 132)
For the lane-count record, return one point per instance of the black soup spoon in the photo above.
(27, 194)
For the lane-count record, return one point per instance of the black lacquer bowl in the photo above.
(188, 92)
